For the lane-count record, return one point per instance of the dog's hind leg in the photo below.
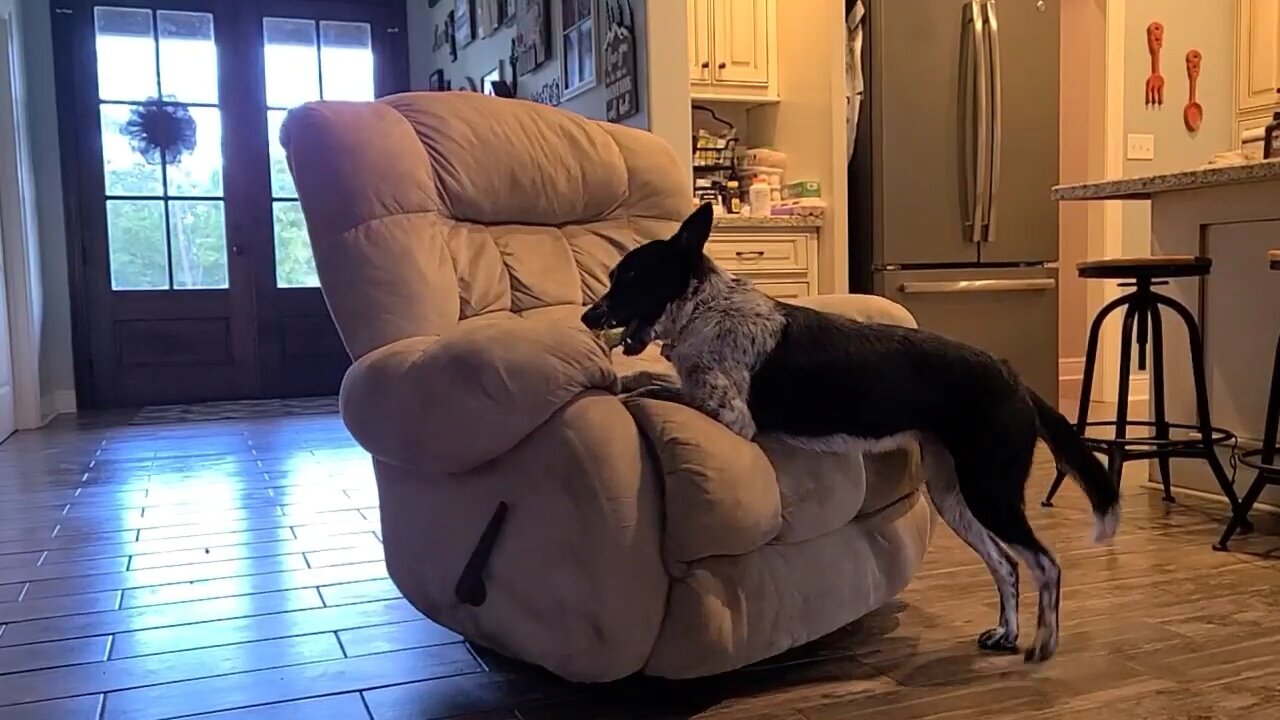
(1048, 576)
(992, 478)
(944, 492)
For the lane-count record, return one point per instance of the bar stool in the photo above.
(1262, 460)
(1142, 306)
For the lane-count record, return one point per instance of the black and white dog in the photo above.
(828, 382)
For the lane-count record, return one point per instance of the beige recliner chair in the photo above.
(458, 237)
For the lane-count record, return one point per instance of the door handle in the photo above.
(993, 48)
(981, 81)
(972, 286)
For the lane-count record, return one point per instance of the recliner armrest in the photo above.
(863, 308)
(461, 400)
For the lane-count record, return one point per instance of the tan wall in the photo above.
(1207, 26)
(808, 125)
(1081, 157)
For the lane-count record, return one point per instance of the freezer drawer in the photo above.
(1011, 313)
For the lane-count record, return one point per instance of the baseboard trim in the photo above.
(54, 404)
(1071, 378)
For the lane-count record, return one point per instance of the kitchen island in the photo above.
(1230, 213)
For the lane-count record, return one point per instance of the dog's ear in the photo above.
(695, 230)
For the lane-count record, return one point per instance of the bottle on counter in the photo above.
(760, 197)
(733, 198)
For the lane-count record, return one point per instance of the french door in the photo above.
(192, 275)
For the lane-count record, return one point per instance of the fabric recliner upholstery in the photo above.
(457, 238)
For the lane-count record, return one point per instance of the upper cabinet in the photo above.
(1257, 57)
(699, 41)
(733, 49)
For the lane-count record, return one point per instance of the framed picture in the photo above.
(577, 46)
(507, 12)
(432, 3)
(491, 77)
(436, 80)
(533, 32)
(464, 30)
(621, 91)
(488, 19)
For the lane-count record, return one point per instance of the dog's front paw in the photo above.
(1045, 645)
(998, 640)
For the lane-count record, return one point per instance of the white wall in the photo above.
(482, 56)
(661, 69)
(57, 377)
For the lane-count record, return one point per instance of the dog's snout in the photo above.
(596, 317)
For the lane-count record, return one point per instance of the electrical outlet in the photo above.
(1141, 147)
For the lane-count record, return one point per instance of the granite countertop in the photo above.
(773, 221)
(1143, 187)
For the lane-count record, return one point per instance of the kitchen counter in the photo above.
(773, 221)
(1231, 214)
(1143, 187)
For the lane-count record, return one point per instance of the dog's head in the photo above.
(647, 280)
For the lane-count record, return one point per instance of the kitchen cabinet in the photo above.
(781, 261)
(733, 49)
(1257, 57)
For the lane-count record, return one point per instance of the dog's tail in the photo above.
(1075, 458)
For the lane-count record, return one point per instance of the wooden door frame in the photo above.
(64, 51)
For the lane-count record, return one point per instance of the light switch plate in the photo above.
(1141, 147)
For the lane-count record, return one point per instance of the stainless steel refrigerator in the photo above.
(955, 152)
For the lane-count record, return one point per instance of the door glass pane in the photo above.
(126, 173)
(135, 239)
(281, 179)
(200, 172)
(198, 235)
(586, 53)
(292, 64)
(188, 57)
(294, 265)
(126, 54)
(346, 61)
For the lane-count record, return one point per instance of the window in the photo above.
(306, 60)
(577, 45)
(166, 227)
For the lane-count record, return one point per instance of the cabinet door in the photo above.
(740, 48)
(699, 40)
(1258, 64)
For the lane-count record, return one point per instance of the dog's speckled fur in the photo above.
(830, 383)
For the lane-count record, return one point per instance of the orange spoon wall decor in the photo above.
(1155, 81)
(1193, 114)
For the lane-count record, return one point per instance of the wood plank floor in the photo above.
(234, 570)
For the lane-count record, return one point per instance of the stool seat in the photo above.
(1146, 268)
(1274, 255)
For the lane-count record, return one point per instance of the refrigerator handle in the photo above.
(979, 286)
(997, 133)
(981, 81)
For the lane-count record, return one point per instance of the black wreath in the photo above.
(161, 131)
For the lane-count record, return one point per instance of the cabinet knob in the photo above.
(723, 65)
(706, 64)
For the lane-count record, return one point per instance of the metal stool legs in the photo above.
(1086, 383)
(1143, 308)
(1262, 460)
